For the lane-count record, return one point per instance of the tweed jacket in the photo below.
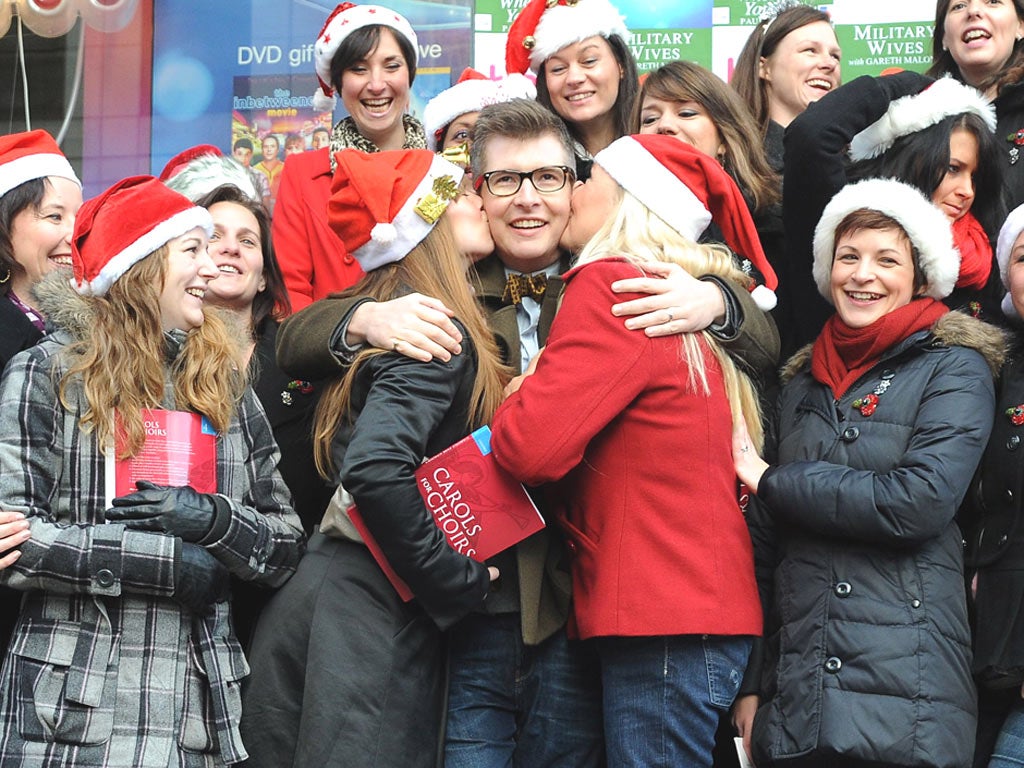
(105, 669)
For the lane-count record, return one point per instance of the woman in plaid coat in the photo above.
(124, 654)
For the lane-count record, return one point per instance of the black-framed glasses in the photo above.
(550, 178)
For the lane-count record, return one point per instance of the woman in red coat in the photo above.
(367, 54)
(637, 431)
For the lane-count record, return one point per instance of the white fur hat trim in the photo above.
(1008, 234)
(909, 114)
(564, 25)
(38, 166)
(169, 229)
(472, 96)
(927, 227)
(638, 172)
(391, 241)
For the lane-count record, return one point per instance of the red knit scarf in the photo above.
(842, 354)
(975, 252)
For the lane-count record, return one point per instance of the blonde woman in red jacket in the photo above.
(637, 430)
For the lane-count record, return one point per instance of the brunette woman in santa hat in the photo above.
(880, 426)
(39, 197)
(579, 51)
(936, 136)
(124, 653)
(345, 672)
(367, 54)
(637, 430)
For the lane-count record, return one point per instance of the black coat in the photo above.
(867, 650)
(994, 533)
(815, 170)
(406, 411)
(16, 331)
(1010, 119)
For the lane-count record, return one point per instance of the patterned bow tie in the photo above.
(518, 286)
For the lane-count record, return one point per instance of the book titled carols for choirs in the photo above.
(180, 449)
(481, 509)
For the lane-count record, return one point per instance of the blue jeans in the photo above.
(1009, 751)
(511, 704)
(663, 696)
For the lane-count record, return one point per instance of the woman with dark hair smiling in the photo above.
(790, 60)
(585, 71)
(936, 136)
(981, 43)
(367, 54)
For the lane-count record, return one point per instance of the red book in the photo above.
(180, 449)
(480, 507)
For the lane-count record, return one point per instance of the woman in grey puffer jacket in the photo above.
(880, 427)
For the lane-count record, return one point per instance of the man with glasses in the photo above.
(520, 692)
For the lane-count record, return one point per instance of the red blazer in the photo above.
(658, 542)
(313, 259)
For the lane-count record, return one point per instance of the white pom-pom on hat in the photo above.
(384, 233)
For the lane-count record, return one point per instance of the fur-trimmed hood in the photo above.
(953, 329)
(62, 306)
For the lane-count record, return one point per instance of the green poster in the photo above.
(875, 49)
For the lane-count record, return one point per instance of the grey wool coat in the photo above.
(105, 668)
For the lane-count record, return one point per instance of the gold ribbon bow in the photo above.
(518, 286)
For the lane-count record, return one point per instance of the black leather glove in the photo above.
(181, 511)
(200, 580)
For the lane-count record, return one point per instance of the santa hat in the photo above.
(31, 155)
(202, 173)
(1008, 234)
(471, 93)
(343, 21)
(926, 226)
(544, 27)
(384, 203)
(688, 190)
(910, 114)
(125, 224)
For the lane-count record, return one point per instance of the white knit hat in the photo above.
(910, 114)
(927, 227)
(471, 93)
(343, 21)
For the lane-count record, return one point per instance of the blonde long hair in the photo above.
(637, 234)
(434, 268)
(120, 362)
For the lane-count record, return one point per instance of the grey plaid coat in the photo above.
(105, 669)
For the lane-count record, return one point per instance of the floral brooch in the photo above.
(1017, 140)
(867, 404)
(1016, 414)
(295, 385)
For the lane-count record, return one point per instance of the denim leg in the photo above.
(663, 696)
(523, 706)
(483, 668)
(1009, 751)
(560, 705)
